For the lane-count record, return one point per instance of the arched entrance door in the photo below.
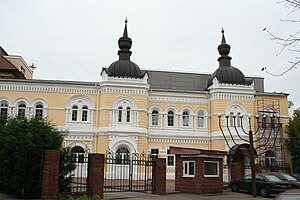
(239, 160)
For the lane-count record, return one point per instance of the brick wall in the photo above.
(159, 172)
(50, 175)
(198, 184)
(95, 179)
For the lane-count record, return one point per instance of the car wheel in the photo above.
(234, 188)
(263, 192)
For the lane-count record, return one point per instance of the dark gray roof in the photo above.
(189, 81)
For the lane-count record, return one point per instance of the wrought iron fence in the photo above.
(128, 172)
(75, 172)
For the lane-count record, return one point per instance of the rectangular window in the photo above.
(170, 160)
(188, 168)
(154, 153)
(211, 168)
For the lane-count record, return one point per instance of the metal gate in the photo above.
(128, 172)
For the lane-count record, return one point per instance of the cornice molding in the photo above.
(23, 87)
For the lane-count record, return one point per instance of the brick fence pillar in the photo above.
(95, 179)
(159, 173)
(50, 175)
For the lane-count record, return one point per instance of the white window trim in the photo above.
(218, 169)
(170, 166)
(183, 168)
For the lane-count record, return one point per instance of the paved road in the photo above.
(226, 195)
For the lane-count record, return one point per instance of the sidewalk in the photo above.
(226, 195)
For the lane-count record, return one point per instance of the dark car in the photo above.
(286, 177)
(265, 184)
(289, 195)
(296, 175)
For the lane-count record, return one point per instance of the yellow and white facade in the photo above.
(141, 113)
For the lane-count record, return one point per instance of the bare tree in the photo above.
(290, 42)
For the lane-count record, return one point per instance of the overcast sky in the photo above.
(73, 40)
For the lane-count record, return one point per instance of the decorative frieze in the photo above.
(124, 91)
(48, 89)
(178, 99)
(79, 137)
(232, 97)
(180, 141)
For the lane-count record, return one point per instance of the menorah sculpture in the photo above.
(263, 139)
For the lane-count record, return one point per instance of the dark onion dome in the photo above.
(124, 67)
(227, 73)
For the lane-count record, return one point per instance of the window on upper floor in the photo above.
(74, 113)
(39, 111)
(21, 110)
(128, 113)
(4, 110)
(238, 119)
(185, 118)
(231, 119)
(154, 116)
(120, 112)
(84, 115)
(200, 119)
(170, 118)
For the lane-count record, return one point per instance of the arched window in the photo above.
(39, 110)
(154, 117)
(170, 118)
(128, 114)
(238, 120)
(21, 110)
(185, 118)
(4, 110)
(231, 119)
(78, 154)
(84, 116)
(122, 156)
(120, 114)
(74, 113)
(200, 119)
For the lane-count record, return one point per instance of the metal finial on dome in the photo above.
(125, 33)
(224, 50)
(223, 37)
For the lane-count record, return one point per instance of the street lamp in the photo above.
(253, 136)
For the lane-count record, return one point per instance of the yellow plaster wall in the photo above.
(217, 145)
(56, 102)
(142, 144)
(219, 107)
(107, 100)
(101, 144)
(178, 106)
